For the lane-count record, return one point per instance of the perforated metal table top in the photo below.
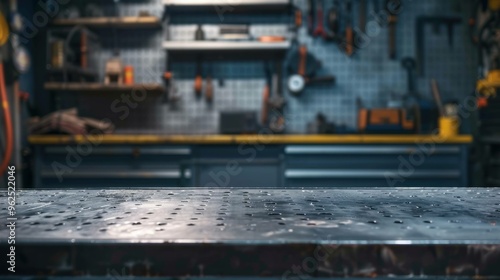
(259, 216)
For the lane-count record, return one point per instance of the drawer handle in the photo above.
(165, 174)
(364, 174)
(111, 151)
(364, 150)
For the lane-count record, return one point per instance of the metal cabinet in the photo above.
(375, 166)
(253, 166)
(113, 166)
(238, 166)
(491, 161)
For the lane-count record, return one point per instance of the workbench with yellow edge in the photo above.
(250, 161)
(246, 139)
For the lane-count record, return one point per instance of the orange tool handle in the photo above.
(9, 133)
(129, 75)
(302, 60)
(482, 102)
(272, 39)
(265, 106)
(392, 36)
(349, 36)
(298, 18)
(167, 75)
(209, 91)
(198, 85)
(437, 97)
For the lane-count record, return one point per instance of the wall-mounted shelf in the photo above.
(156, 139)
(122, 22)
(233, 6)
(101, 88)
(226, 50)
(190, 46)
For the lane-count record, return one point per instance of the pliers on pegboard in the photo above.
(319, 31)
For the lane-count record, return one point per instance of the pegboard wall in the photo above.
(369, 74)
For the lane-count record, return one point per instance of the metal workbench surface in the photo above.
(388, 216)
(457, 224)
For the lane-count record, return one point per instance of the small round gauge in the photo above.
(296, 84)
(22, 60)
(16, 23)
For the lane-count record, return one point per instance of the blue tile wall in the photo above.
(369, 75)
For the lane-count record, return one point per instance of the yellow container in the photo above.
(494, 5)
(448, 126)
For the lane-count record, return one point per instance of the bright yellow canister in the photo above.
(448, 126)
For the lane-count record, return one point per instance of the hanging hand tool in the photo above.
(302, 61)
(362, 16)
(209, 88)
(298, 18)
(198, 81)
(333, 22)
(209, 91)
(171, 91)
(349, 31)
(310, 17)
(392, 6)
(277, 101)
(437, 97)
(303, 69)
(488, 54)
(472, 30)
(320, 18)
(298, 67)
(412, 97)
(264, 119)
(167, 81)
(409, 64)
(329, 79)
(277, 121)
(297, 84)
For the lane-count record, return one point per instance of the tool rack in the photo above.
(118, 22)
(69, 71)
(250, 232)
(83, 79)
(226, 50)
(239, 5)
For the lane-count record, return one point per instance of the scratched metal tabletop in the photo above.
(269, 216)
